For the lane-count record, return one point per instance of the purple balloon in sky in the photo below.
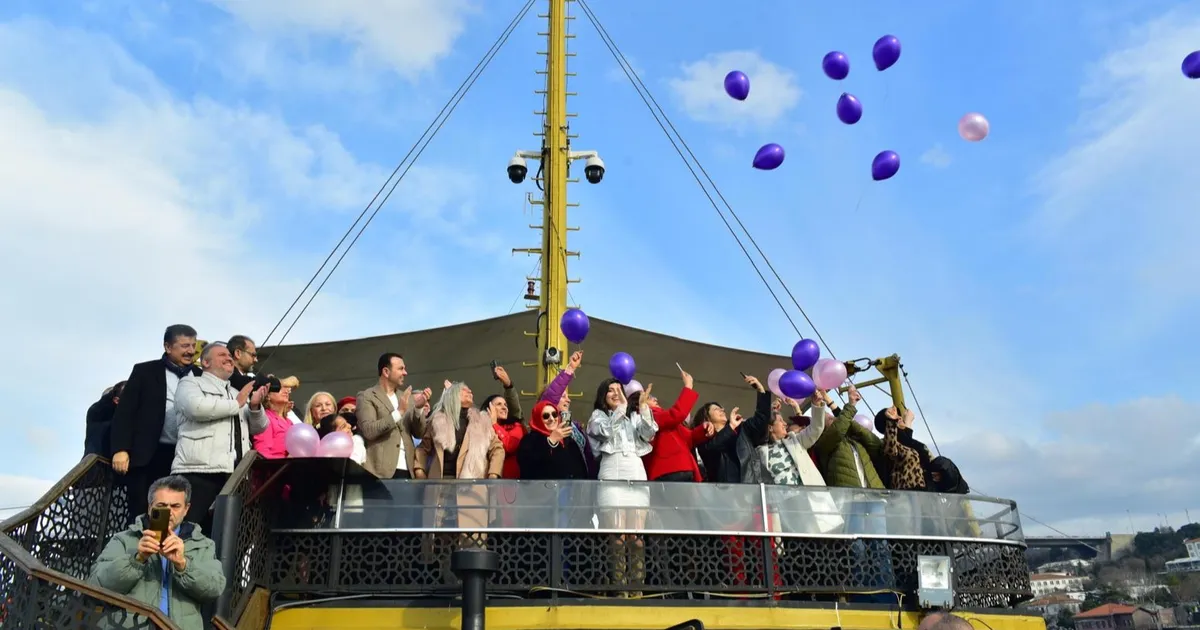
(769, 157)
(805, 354)
(849, 109)
(1191, 65)
(885, 165)
(886, 52)
(836, 65)
(737, 85)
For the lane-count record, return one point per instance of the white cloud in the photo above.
(617, 74)
(701, 90)
(1098, 462)
(1126, 185)
(124, 209)
(409, 36)
(18, 492)
(936, 157)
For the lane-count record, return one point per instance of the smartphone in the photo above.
(160, 521)
(494, 366)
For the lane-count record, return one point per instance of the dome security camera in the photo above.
(517, 170)
(594, 170)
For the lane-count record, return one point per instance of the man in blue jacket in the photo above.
(177, 574)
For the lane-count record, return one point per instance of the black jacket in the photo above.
(96, 439)
(138, 420)
(720, 454)
(538, 460)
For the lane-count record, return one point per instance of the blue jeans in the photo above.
(873, 570)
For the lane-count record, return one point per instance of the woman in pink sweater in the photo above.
(270, 443)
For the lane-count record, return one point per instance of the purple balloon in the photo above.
(849, 109)
(796, 385)
(886, 52)
(1191, 65)
(622, 367)
(769, 157)
(885, 165)
(836, 65)
(737, 85)
(574, 325)
(805, 354)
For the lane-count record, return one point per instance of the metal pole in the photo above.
(227, 511)
(474, 566)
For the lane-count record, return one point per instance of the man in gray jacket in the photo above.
(176, 575)
(216, 422)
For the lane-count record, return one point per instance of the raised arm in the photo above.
(757, 424)
(809, 436)
(555, 390)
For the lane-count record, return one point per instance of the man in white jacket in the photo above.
(215, 428)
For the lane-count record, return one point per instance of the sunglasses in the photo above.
(547, 415)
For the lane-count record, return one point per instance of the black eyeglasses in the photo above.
(547, 415)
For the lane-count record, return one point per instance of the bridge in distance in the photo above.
(1103, 547)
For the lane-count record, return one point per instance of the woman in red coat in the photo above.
(505, 413)
(674, 457)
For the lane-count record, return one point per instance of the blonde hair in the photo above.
(308, 418)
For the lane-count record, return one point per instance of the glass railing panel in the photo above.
(547, 505)
(857, 512)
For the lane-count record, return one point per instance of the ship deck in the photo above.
(347, 550)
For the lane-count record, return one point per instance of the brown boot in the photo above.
(620, 560)
(637, 565)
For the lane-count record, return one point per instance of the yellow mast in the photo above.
(556, 162)
(555, 157)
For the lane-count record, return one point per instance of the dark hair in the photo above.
(602, 393)
(701, 415)
(385, 361)
(175, 331)
(237, 343)
(326, 425)
(174, 483)
(483, 406)
(116, 390)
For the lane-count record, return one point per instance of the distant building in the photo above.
(1051, 605)
(1116, 617)
(1190, 564)
(1065, 566)
(1046, 583)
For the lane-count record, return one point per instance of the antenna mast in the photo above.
(555, 157)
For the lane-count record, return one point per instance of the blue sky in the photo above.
(1039, 284)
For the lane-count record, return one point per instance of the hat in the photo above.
(348, 400)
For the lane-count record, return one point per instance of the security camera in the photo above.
(517, 170)
(553, 356)
(594, 171)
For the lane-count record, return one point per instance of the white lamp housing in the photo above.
(935, 588)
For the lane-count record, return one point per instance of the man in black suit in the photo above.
(245, 355)
(144, 426)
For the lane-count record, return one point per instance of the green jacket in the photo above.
(835, 452)
(202, 582)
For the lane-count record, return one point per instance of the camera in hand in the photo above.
(267, 379)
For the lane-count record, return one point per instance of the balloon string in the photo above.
(862, 194)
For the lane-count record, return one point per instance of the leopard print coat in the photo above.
(907, 473)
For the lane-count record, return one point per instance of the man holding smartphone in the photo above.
(163, 560)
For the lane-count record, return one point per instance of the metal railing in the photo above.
(48, 549)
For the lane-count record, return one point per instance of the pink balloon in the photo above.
(773, 382)
(973, 127)
(632, 386)
(301, 440)
(829, 373)
(336, 444)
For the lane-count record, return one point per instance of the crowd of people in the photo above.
(177, 427)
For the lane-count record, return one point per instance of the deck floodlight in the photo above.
(934, 586)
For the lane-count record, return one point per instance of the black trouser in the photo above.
(205, 488)
(138, 480)
(683, 475)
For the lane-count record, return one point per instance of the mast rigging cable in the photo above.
(414, 152)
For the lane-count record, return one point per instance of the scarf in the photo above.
(178, 370)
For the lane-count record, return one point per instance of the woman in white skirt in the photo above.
(624, 437)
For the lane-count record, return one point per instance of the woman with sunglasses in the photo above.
(553, 449)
